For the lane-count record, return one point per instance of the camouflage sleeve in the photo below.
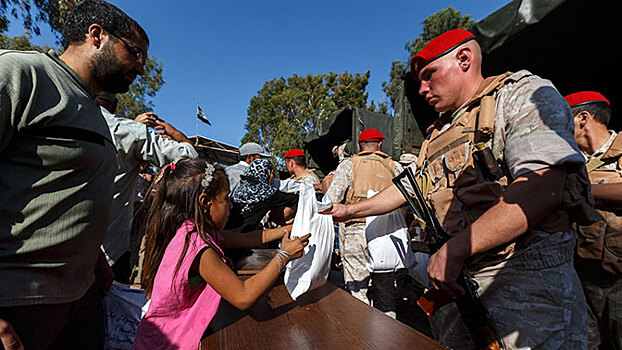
(341, 181)
(310, 179)
(534, 126)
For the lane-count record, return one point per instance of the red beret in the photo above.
(296, 152)
(371, 135)
(585, 97)
(438, 47)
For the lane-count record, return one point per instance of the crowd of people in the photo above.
(534, 226)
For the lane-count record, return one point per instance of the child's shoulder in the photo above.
(188, 230)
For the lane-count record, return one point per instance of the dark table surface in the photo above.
(325, 318)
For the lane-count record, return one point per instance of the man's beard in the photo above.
(109, 72)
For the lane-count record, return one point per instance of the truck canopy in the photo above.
(569, 42)
(346, 125)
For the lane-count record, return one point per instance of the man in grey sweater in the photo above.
(57, 162)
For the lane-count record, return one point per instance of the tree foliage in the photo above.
(32, 13)
(21, 42)
(433, 26)
(390, 88)
(438, 24)
(138, 99)
(53, 13)
(284, 110)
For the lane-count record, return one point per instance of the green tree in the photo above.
(437, 24)
(21, 42)
(433, 26)
(390, 88)
(284, 110)
(138, 99)
(32, 13)
(53, 13)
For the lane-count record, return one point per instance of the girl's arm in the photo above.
(255, 238)
(244, 293)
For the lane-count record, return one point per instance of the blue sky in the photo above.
(219, 53)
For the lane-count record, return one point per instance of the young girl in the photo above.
(185, 271)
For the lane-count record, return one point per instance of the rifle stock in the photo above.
(472, 311)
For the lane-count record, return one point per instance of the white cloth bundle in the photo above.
(311, 270)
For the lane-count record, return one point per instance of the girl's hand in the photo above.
(286, 231)
(295, 246)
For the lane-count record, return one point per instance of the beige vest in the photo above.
(307, 172)
(458, 192)
(602, 241)
(370, 171)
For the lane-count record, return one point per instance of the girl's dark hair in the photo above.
(108, 16)
(176, 201)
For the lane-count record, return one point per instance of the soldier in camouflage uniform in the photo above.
(511, 231)
(599, 248)
(351, 183)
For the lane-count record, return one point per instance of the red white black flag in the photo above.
(202, 116)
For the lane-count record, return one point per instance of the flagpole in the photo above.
(196, 127)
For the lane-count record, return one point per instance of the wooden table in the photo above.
(325, 318)
(255, 262)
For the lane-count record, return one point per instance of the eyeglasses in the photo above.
(140, 54)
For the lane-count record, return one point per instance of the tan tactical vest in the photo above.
(602, 241)
(305, 173)
(458, 192)
(370, 171)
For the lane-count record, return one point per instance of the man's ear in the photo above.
(96, 35)
(464, 56)
(583, 118)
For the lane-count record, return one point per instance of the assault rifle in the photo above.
(471, 309)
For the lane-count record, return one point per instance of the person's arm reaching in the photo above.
(385, 201)
(254, 238)
(149, 118)
(158, 147)
(170, 132)
(244, 293)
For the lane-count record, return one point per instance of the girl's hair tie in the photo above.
(209, 176)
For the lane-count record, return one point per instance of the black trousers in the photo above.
(75, 325)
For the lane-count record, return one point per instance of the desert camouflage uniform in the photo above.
(603, 290)
(352, 241)
(308, 177)
(533, 296)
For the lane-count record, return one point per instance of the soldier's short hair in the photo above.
(300, 160)
(600, 111)
(106, 15)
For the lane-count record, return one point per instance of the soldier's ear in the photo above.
(464, 55)
(583, 117)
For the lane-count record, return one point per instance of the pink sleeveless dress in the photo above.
(178, 314)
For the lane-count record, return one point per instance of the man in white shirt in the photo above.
(135, 144)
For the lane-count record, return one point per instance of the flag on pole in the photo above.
(202, 116)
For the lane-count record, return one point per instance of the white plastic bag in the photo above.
(311, 270)
(388, 241)
(124, 307)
